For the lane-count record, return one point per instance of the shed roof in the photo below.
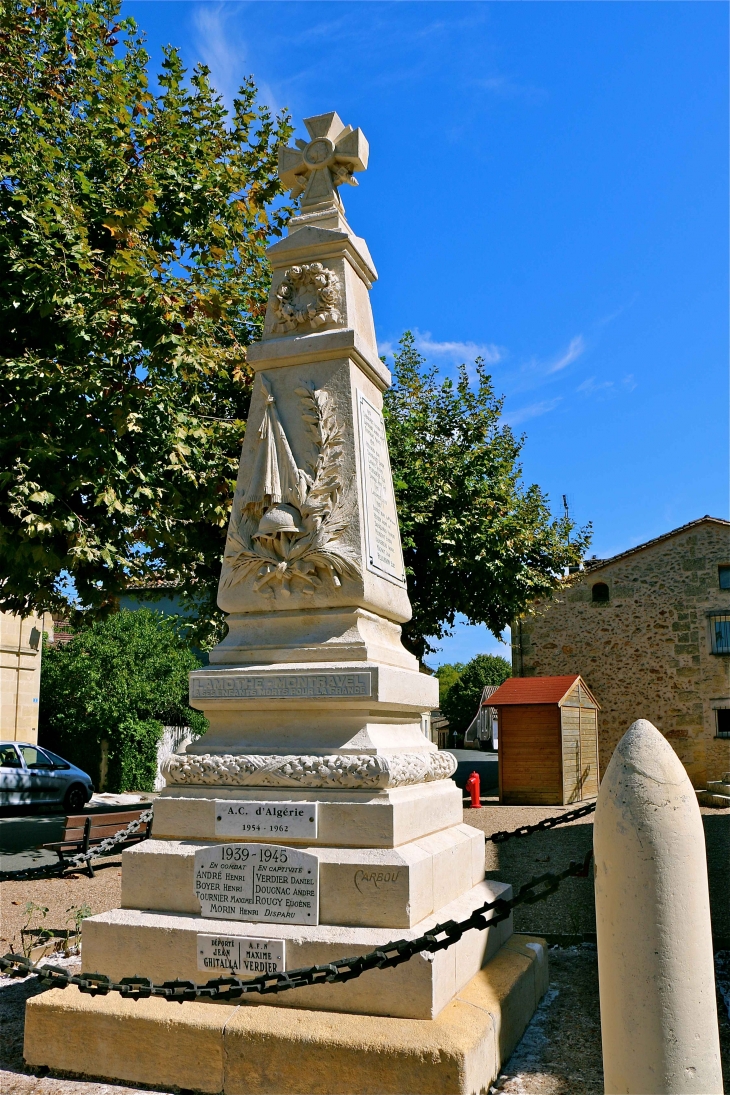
(534, 690)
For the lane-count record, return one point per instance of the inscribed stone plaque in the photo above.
(292, 820)
(295, 686)
(240, 956)
(264, 882)
(382, 536)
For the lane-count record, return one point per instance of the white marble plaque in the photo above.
(285, 820)
(261, 882)
(384, 554)
(239, 956)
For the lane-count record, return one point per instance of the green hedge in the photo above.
(118, 682)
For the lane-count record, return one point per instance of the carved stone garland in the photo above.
(359, 770)
(294, 304)
(295, 557)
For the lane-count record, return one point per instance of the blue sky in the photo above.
(548, 187)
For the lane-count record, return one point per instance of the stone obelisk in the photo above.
(314, 820)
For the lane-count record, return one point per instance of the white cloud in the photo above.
(507, 88)
(532, 410)
(449, 353)
(591, 386)
(575, 349)
(218, 44)
(461, 351)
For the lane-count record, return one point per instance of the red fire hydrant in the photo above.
(472, 786)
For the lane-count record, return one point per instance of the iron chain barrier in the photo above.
(110, 842)
(345, 969)
(544, 825)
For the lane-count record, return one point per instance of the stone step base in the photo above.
(711, 798)
(359, 887)
(719, 786)
(273, 1051)
(164, 947)
(347, 817)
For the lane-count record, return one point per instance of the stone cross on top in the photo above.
(316, 168)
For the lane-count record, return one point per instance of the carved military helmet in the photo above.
(279, 518)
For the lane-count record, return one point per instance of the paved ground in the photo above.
(24, 830)
(474, 760)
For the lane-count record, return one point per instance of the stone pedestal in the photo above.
(315, 760)
(270, 1051)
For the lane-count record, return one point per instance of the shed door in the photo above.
(529, 754)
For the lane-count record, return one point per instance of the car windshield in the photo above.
(8, 757)
(34, 757)
(58, 762)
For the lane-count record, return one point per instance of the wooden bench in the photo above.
(84, 831)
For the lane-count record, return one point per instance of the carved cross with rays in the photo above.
(316, 168)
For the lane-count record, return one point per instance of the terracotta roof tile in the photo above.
(532, 690)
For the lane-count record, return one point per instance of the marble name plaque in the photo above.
(260, 882)
(286, 820)
(294, 686)
(239, 956)
(382, 535)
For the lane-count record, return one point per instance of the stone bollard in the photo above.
(655, 964)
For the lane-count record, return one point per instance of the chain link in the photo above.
(345, 969)
(82, 858)
(544, 825)
(110, 842)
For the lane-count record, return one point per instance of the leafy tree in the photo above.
(118, 681)
(133, 229)
(461, 703)
(476, 540)
(447, 675)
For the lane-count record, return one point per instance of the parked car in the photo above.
(29, 775)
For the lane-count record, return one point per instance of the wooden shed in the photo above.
(548, 741)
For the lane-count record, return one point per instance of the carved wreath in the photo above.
(299, 282)
(297, 559)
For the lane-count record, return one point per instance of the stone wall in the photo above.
(20, 675)
(645, 653)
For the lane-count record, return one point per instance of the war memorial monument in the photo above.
(314, 821)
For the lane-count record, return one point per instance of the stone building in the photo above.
(20, 675)
(649, 631)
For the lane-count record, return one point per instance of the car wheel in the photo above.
(75, 799)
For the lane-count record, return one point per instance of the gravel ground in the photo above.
(560, 1053)
(58, 895)
(569, 915)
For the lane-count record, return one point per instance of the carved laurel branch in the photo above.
(324, 512)
(359, 770)
(296, 281)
